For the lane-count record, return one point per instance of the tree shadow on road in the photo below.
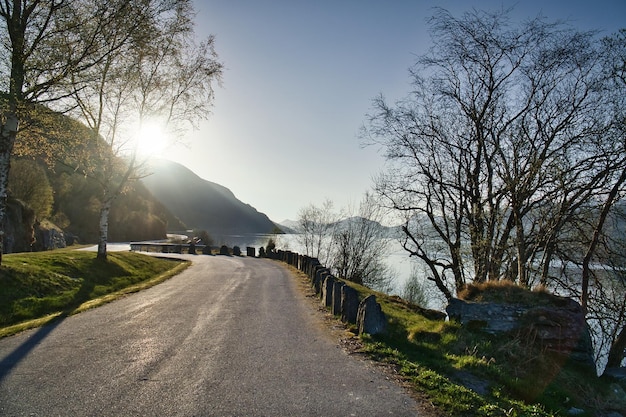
(14, 358)
(9, 362)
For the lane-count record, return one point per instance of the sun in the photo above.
(151, 139)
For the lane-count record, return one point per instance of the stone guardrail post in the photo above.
(318, 279)
(336, 298)
(370, 317)
(327, 291)
(349, 304)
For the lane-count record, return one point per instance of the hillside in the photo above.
(202, 204)
(50, 190)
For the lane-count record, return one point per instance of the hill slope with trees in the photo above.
(202, 204)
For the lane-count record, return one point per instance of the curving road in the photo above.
(227, 337)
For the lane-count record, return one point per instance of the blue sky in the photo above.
(299, 79)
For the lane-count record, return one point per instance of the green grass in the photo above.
(465, 372)
(38, 287)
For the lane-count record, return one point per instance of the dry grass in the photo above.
(505, 291)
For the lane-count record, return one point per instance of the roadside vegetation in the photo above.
(464, 372)
(42, 286)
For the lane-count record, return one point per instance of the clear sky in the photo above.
(299, 79)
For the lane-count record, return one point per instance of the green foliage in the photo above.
(135, 214)
(505, 291)
(29, 183)
(37, 284)
(48, 167)
(414, 290)
(270, 246)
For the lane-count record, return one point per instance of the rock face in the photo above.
(48, 237)
(19, 227)
(559, 327)
(370, 317)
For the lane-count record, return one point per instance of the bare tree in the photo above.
(503, 146)
(360, 246)
(316, 228)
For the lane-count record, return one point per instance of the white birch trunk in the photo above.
(8, 132)
(104, 228)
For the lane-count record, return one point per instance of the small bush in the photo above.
(271, 246)
(236, 251)
(224, 250)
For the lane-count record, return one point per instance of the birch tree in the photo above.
(360, 245)
(44, 43)
(162, 77)
(316, 227)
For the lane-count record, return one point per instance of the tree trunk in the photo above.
(104, 229)
(586, 271)
(8, 132)
(616, 353)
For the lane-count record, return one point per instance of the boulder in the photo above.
(349, 304)
(370, 317)
(559, 327)
(48, 237)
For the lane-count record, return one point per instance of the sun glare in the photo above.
(151, 139)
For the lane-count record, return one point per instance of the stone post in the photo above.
(370, 317)
(327, 291)
(349, 304)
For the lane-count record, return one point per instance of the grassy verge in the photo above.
(468, 373)
(40, 287)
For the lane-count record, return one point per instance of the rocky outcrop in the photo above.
(48, 237)
(19, 227)
(558, 327)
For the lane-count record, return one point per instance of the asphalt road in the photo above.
(227, 337)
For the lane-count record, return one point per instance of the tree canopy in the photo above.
(507, 158)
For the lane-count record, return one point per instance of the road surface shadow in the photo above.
(9, 362)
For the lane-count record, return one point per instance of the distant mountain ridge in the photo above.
(202, 204)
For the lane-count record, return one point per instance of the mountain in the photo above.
(292, 226)
(289, 226)
(202, 204)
